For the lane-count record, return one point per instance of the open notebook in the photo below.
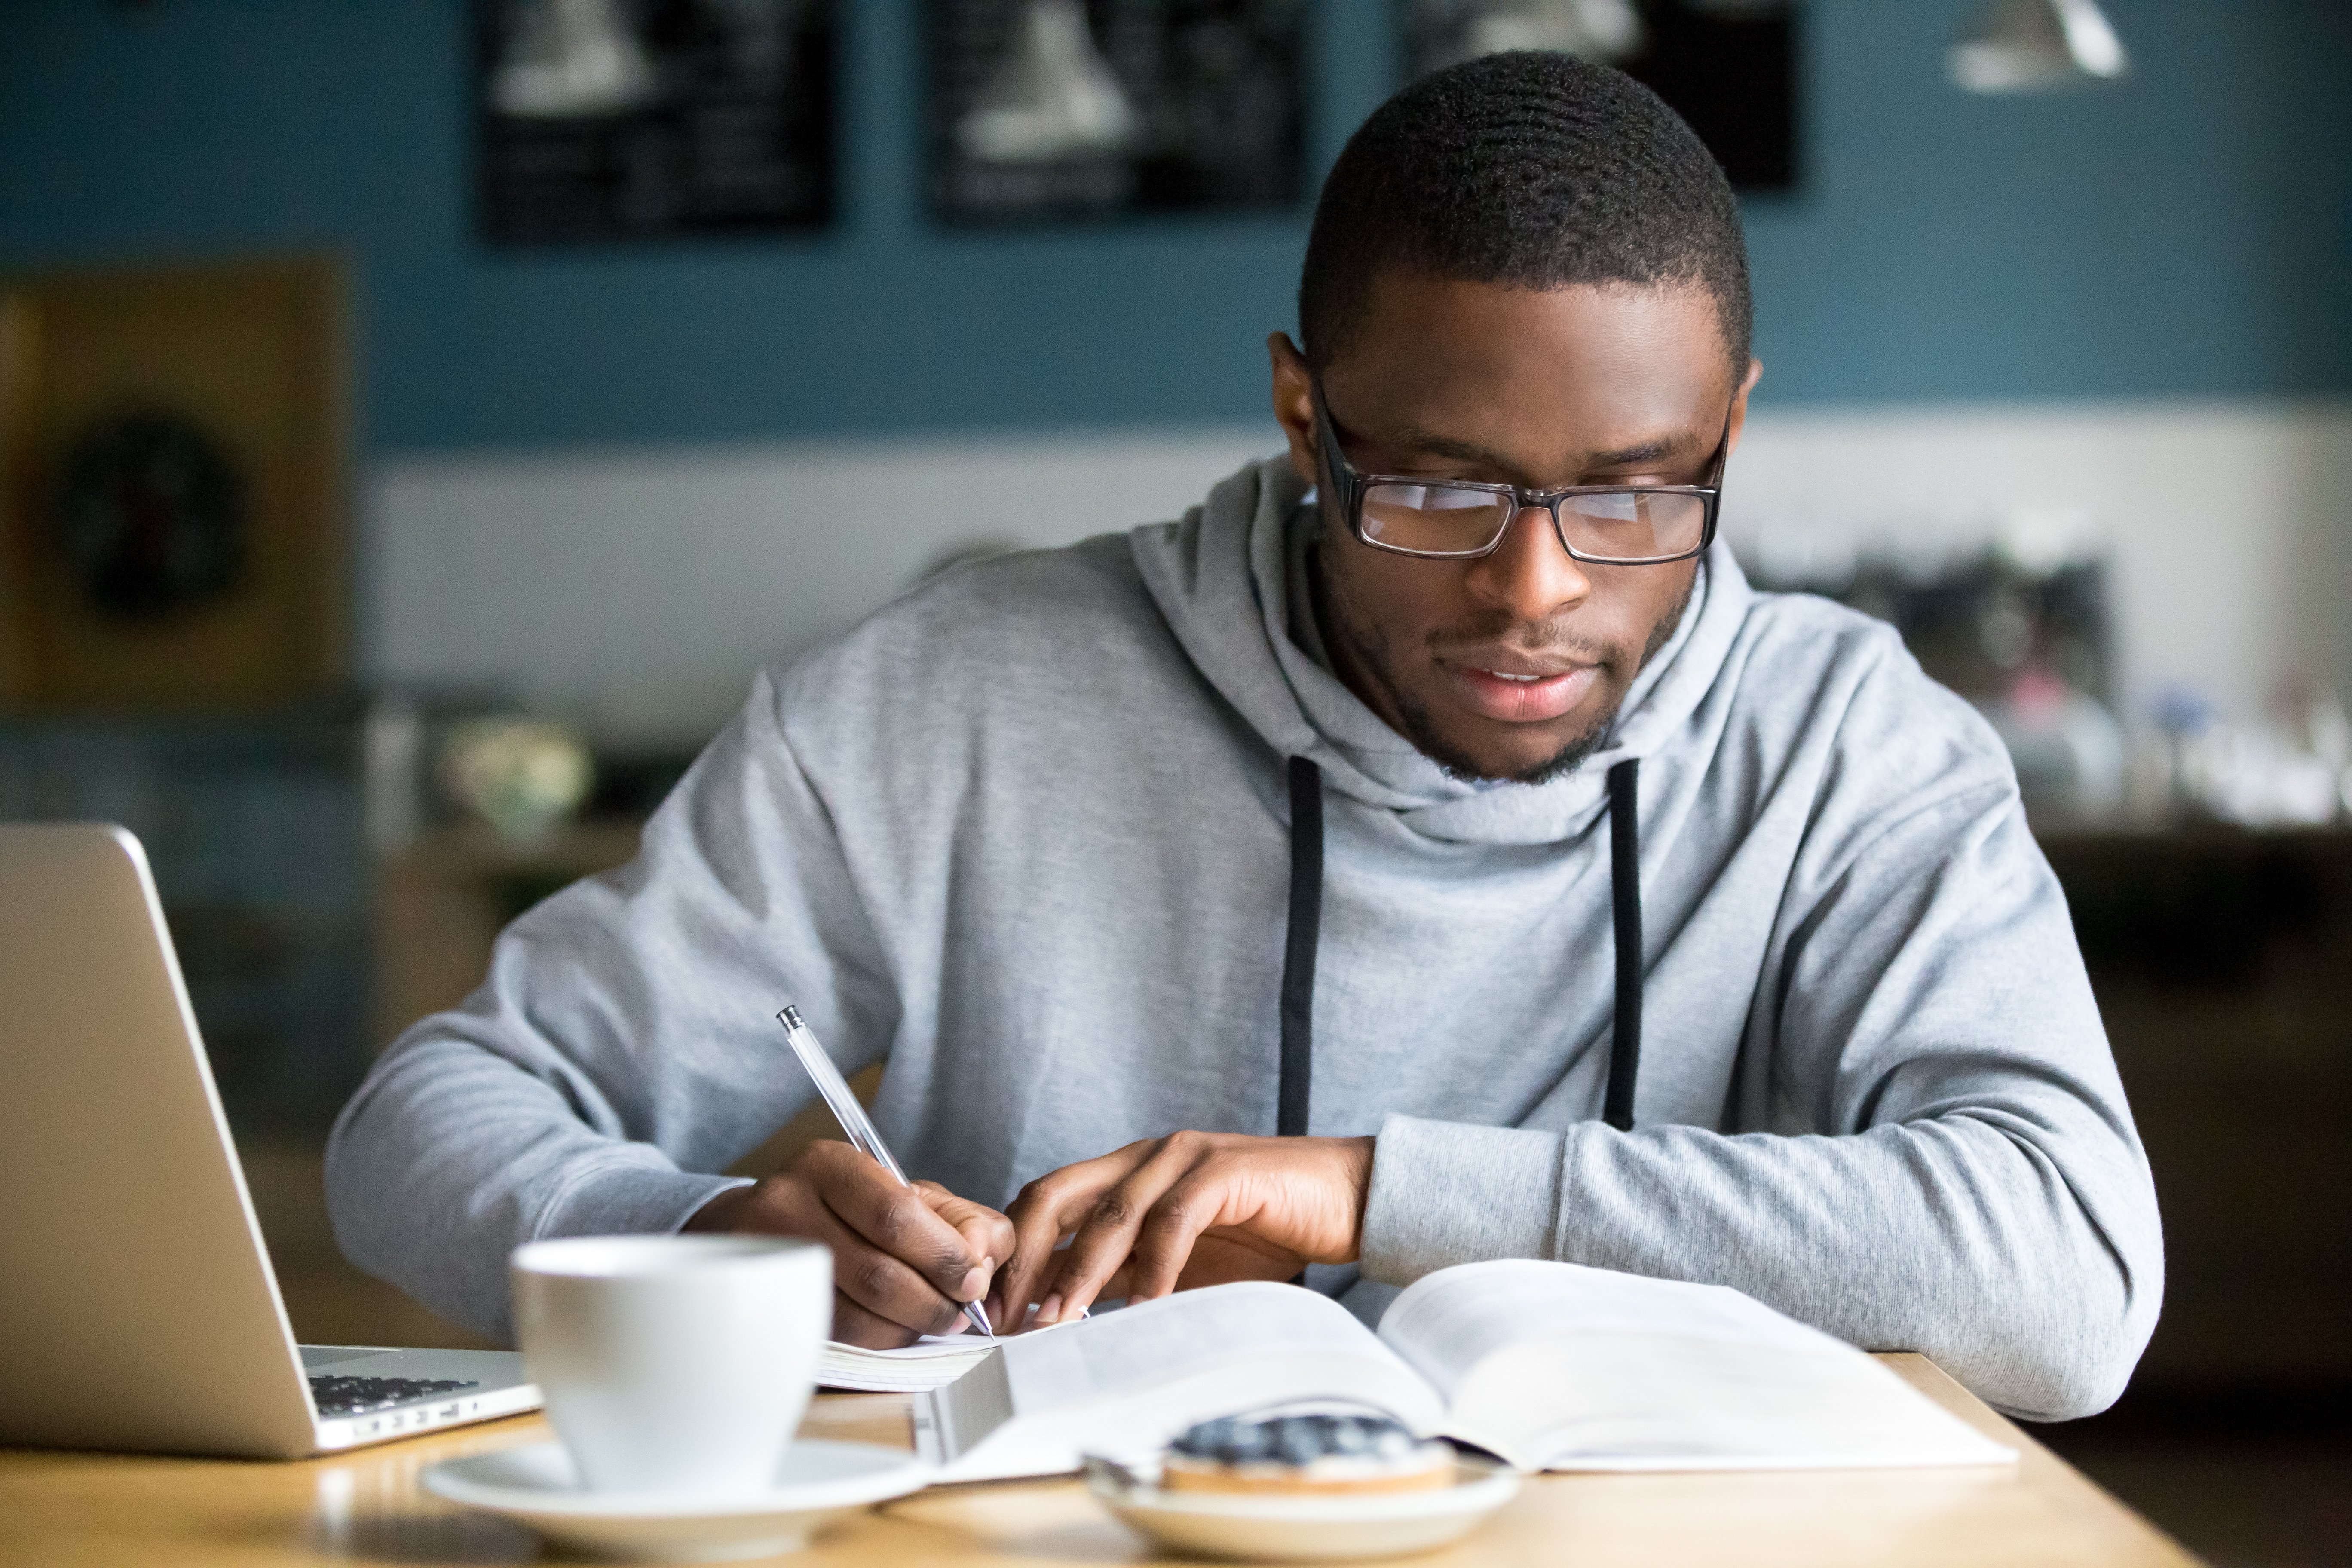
(1549, 1366)
(929, 1362)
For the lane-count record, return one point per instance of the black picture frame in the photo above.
(1730, 69)
(1213, 94)
(632, 120)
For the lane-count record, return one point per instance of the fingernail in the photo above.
(1050, 1308)
(974, 1282)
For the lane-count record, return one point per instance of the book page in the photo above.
(1125, 1382)
(1453, 1320)
(1557, 1366)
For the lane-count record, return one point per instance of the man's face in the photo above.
(1511, 666)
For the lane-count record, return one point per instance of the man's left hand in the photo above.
(1168, 1213)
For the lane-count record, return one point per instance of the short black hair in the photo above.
(1528, 168)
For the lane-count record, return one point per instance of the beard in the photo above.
(1372, 653)
(1422, 731)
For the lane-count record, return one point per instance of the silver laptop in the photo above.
(137, 1306)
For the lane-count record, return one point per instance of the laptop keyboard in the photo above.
(357, 1395)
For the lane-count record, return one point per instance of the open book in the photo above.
(1548, 1365)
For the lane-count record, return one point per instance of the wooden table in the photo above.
(64, 1510)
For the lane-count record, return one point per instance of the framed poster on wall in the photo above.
(173, 475)
(1727, 66)
(1084, 111)
(599, 119)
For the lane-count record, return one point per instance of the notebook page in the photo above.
(930, 1362)
(927, 1363)
(930, 1347)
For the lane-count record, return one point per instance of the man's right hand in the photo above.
(905, 1259)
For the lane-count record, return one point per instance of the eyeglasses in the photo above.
(1462, 520)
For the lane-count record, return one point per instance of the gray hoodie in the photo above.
(1025, 833)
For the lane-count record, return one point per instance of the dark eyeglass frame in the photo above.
(1352, 486)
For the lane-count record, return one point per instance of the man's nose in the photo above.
(1530, 574)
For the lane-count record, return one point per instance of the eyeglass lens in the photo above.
(1613, 525)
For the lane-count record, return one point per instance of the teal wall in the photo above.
(2187, 232)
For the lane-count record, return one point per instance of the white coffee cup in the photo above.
(679, 1365)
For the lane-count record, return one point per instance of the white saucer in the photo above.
(538, 1486)
(1309, 1529)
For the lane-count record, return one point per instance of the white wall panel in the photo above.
(2226, 523)
(638, 589)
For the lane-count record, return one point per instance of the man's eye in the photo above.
(1445, 498)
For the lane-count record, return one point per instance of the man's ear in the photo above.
(1739, 404)
(1293, 405)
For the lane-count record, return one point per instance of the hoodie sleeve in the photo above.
(624, 1044)
(1944, 1162)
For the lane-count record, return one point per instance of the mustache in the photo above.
(1551, 639)
(1535, 640)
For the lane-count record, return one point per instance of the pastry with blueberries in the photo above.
(1304, 1454)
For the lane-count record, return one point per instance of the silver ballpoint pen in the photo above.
(854, 1119)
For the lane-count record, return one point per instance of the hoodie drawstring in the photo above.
(1306, 929)
(1625, 908)
(1298, 951)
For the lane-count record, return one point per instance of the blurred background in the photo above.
(418, 419)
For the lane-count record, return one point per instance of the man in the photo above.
(1333, 816)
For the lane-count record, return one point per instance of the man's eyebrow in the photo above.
(1413, 438)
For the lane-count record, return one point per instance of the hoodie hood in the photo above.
(1221, 578)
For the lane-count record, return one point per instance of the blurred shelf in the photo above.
(2221, 958)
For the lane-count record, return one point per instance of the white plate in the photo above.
(538, 1486)
(1310, 1529)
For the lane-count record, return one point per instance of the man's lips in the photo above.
(1510, 691)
